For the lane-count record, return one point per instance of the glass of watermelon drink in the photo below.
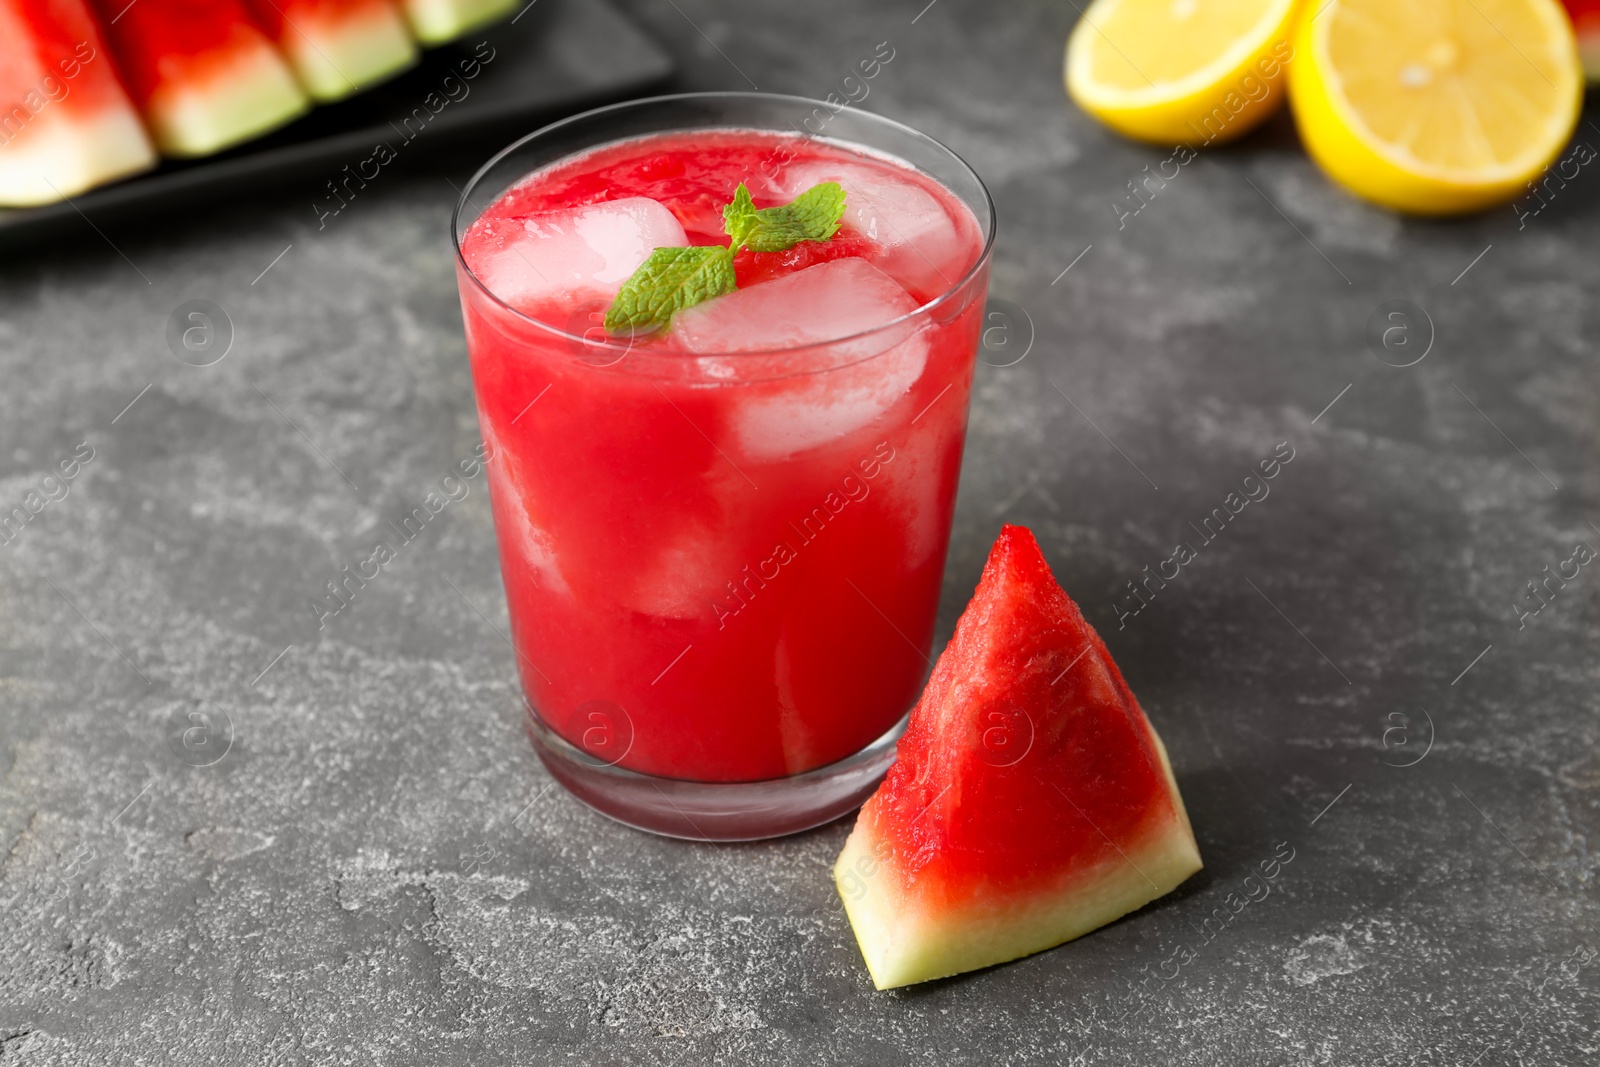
(722, 534)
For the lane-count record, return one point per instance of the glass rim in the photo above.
(987, 218)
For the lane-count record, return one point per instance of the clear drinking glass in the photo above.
(716, 642)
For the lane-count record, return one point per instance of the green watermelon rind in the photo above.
(60, 155)
(437, 21)
(336, 61)
(189, 120)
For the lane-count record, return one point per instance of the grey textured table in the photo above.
(378, 872)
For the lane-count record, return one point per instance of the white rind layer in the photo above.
(905, 943)
(334, 63)
(258, 94)
(438, 21)
(61, 154)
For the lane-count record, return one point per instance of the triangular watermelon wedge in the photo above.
(338, 47)
(203, 74)
(68, 124)
(1030, 802)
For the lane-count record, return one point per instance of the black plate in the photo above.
(555, 57)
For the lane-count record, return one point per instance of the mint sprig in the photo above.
(812, 216)
(669, 281)
(676, 278)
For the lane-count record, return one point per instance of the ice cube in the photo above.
(914, 483)
(574, 254)
(923, 246)
(685, 575)
(696, 544)
(862, 377)
(528, 543)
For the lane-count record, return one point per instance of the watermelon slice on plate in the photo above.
(1030, 801)
(67, 122)
(201, 71)
(438, 21)
(1586, 21)
(338, 47)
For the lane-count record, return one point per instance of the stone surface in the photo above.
(378, 871)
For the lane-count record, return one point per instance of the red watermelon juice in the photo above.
(722, 541)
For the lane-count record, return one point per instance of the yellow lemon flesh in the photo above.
(1190, 72)
(1435, 106)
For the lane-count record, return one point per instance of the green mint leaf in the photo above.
(669, 281)
(812, 216)
(740, 218)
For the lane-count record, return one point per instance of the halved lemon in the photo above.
(1189, 72)
(1435, 106)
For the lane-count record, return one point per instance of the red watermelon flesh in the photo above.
(67, 123)
(1030, 802)
(203, 74)
(338, 47)
(1586, 21)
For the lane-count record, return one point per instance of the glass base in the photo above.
(717, 811)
